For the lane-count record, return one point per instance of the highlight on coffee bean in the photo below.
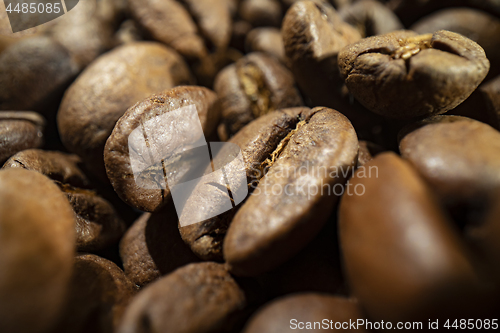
(249, 166)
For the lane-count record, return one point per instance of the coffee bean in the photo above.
(195, 298)
(253, 86)
(257, 142)
(198, 30)
(97, 224)
(113, 83)
(272, 225)
(261, 12)
(19, 131)
(117, 155)
(313, 34)
(37, 246)
(35, 72)
(458, 157)
(477, 25)
(403, 258)
(98, 295)
(422, 75)
(490, 96)
(367, 151)
(371, 18)
(153, 247)
(267, 40)
(284, 314)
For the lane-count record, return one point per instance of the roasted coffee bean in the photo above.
(255, 85)
(477, 25)
(240, 31)
(97, 224)
(128, 33)
(261, 12)
(196, 298)
(313, 34)
(35, 72)
(267, 40)
(98, 295)
(457, 156)
(113, 83)
(198, 30)
(153, 247)
(371, 18)
(257, 142)
(367, 151)
(422, 75)
(304, 312)
(19, 131)
(403, 258)
(37, 246)
(272, 226)
(84, 33)
(490, 93)
(150, 197)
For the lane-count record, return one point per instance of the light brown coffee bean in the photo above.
(267, 40)
(35, 72)
(196, 298)
(152, 247)
(19, 131)
(304, 311)
(422, 75)
(113, 83)
(149, 197)
(457, 156)
(273, 225)
(261, 12)
(314, 34)
(257, 142)
(255, 85)
(98, 295)
(37, 241)
(421, 269)
(97, 223)
(371, 18)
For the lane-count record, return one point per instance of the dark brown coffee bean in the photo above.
(458, 157)
(477, 25)
(113, 83)
(97, 224)
(313, 35)
(371, 18)
(117, 155)
(19, 131)
(261, 13)
(35, 72)
(98, 295)
(152, 247)
(267, 40)
(420, 269)
(273, 225)
(37, 244)
(422, 75)
(195, 298)
(255, 85)
(304, 312)
(240, 31)
(257, 142)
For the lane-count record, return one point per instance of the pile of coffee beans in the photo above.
(357, 186)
